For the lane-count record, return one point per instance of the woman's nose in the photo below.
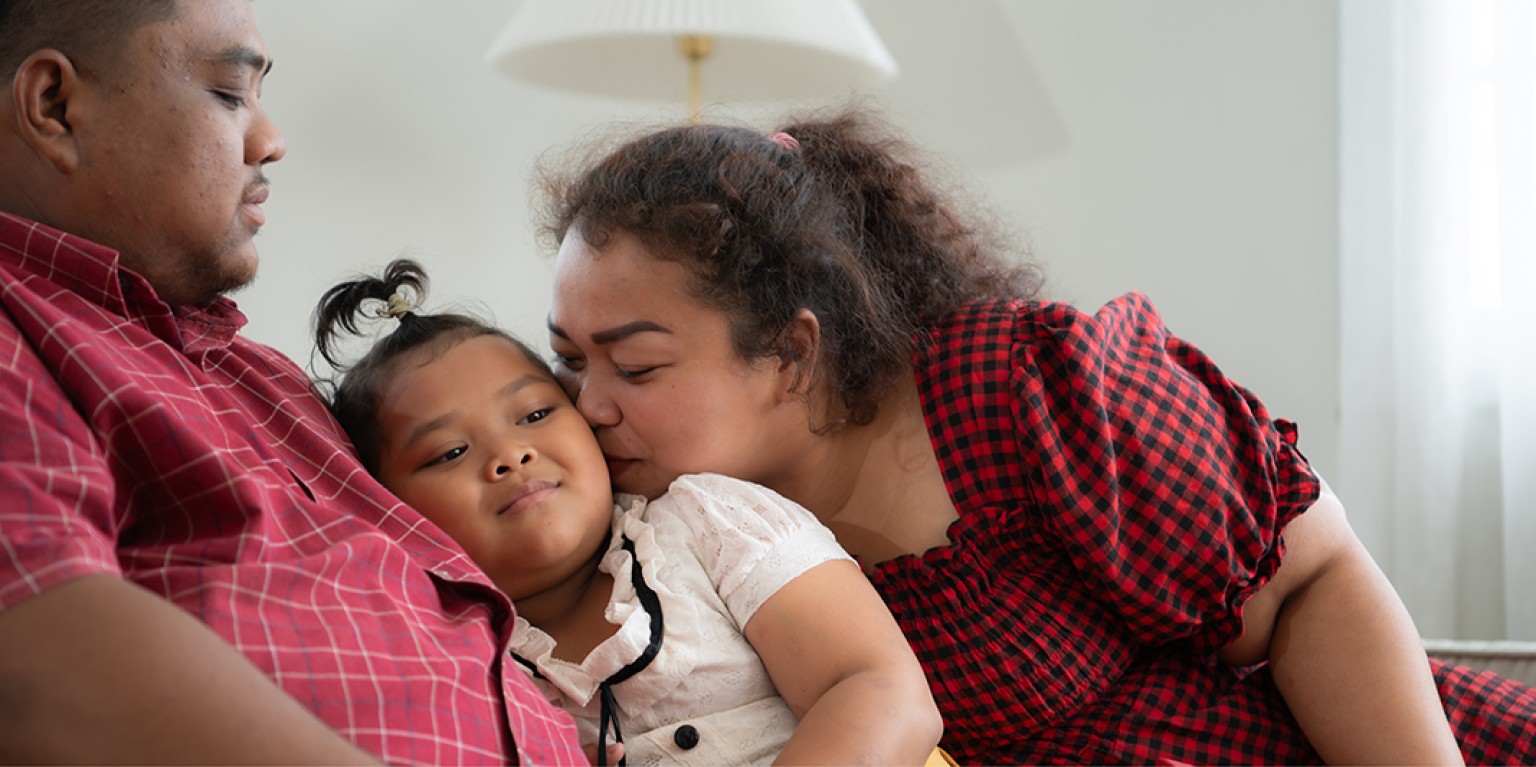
(595, 405)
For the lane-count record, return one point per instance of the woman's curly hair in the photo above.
(839, 221)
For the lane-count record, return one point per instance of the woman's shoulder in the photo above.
(1133, 307)
(1002, 326)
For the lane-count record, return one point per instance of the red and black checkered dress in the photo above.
(1119, 500)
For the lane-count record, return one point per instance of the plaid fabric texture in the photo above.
(1119, 500)
(161, 447)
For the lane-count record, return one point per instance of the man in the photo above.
(193, 567)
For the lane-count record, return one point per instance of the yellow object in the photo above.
(939, 758)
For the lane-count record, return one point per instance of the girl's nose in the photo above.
(509, 460)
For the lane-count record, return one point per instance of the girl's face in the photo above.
(654, 372)
(485, 444)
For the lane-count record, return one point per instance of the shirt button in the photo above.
(686, 737)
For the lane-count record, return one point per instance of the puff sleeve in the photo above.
(1167, 483)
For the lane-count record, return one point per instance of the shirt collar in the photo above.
(93, 272)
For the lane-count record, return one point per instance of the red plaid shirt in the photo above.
(161, 447)
(1119, 499)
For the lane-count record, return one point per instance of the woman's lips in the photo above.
(617, 465)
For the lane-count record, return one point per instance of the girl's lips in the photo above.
(529, 495)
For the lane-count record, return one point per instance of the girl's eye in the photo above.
(536, 416)
(448, 456)
(568, 363)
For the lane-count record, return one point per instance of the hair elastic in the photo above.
(398, 305)
(785, 140)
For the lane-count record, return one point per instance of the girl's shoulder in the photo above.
(716, 503)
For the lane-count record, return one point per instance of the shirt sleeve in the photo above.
(56, 491)
(1167, 483)
(750, 540)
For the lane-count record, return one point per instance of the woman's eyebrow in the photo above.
(611, 335)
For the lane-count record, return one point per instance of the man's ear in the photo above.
(42, 89)
(801, 345)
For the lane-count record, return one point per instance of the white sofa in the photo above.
(1512, 659)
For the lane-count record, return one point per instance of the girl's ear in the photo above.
(44, 85)
(797, 362)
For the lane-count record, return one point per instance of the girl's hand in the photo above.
(615, 752)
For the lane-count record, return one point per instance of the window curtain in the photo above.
(1438, 257)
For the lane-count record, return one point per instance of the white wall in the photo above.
(1184, 148)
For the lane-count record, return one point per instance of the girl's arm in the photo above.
(1343, 650)
(838, 658)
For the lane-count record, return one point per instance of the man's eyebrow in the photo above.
(241, 55)
(611, 335)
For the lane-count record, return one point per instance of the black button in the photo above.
(686, 737)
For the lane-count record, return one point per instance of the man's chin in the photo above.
(229, 280)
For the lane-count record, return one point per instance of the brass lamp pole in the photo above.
(695, 48)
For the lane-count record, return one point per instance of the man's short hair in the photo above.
(82, 29)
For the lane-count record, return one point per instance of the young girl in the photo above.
(718, 623)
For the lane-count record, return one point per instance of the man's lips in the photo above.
(528, 494)
(252, 203)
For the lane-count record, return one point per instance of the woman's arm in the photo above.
(838, 658)
(1343, 650)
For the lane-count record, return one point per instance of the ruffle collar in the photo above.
(579, 682)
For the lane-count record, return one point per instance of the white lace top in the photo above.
(714, 549)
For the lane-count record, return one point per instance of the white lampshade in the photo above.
(762, 49)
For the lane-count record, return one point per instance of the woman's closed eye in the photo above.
(630, 374)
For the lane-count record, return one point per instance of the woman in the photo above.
(1076, 518)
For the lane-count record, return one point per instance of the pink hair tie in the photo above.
(785, 140)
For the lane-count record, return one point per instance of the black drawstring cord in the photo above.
(608, 707)
(610, 713)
